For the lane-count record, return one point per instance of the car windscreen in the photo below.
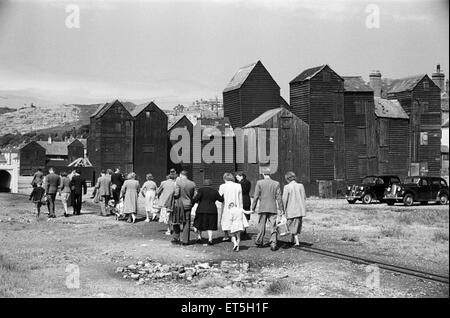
(369, 180)
(412, 179)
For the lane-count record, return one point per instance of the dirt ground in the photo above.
(36, 254)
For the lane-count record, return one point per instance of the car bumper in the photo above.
(353, 197)
(392, 197)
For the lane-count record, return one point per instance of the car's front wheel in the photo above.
(408, 199)
(367, 198)
(443, 199)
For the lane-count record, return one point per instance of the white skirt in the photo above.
(149, 198)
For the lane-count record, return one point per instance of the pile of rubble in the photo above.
(229, 273)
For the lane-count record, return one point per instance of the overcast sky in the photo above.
(178, 51)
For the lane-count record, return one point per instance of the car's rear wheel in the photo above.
(443, 199)
(367, 198)
(390, 202)
(351, 201)
(408, 199)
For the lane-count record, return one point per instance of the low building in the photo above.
(9, 172)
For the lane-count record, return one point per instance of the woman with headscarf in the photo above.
(148, 191)
(232, 193)
(206, 217)
(294, 203)
(129, 193)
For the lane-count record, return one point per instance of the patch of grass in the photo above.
(350, 238)
(405, 218)
(278, 287)
(211, 282)
(440, 236)
(392, 231)
(7, 265)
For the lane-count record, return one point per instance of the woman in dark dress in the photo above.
(246, 186)
(206, 217)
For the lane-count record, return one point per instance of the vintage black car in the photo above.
(418, 189)
(371, 188)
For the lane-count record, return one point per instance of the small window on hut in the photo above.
(424, 138)
(426, 86)
(424, 108)
(147, 115)
(149, 148)
(359, 107)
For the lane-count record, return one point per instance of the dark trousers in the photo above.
(116, 195)
(51, 203)
(104, 204)
(186, 228)
(263, 219)
(76, 203)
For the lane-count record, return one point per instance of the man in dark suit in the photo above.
(78, 187)
(117, 181)
(51, 188)
(184, 193)
(268, 193)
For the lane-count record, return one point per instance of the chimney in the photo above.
(49, 141)
(438, 77)
(375, 83)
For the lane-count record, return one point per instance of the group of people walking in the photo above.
(172, 201)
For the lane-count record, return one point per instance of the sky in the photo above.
(174, 51)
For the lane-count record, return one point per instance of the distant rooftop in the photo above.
(240, 77)
(389, 108)
(356, 84)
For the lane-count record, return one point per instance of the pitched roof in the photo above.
(172, 124)
(403, 84)
(389, 108)
(102, 109)
(308, 74)
(356, 84)
(284, 103)
(83, 141)
(240, 77)
(55, 148)
(261, 119)
(139, 108)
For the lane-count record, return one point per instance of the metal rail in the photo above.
(389, 267)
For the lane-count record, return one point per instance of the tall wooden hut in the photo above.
(359, 126)
(186, 125)
(392, 128)
(150, 142)
(317, 98)
(75, 150)
(293, 145)
(420, 97)
(216, 135)
(110, 142)
(250, 92)
(32, 156)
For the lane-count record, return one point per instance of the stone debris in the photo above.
(230, 273)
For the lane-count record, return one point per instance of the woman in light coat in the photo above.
(129, 193)
(294, 203)
(232, 193)
(166, 200)
(148, 191)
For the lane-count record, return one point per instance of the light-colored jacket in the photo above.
(294, 200)
(104, 185)
(268, 193)
(165, 193)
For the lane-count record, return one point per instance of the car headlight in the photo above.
(349, 188)
(361, 188)
(388, 189)
(399, 189)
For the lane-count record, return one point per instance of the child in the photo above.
(37, 194)
(238, 224)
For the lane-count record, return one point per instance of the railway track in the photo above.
(393, 268)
